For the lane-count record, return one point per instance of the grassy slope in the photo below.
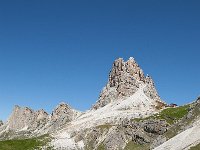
(197, 147)
(24, 144)
(171, 115)
(133, 146)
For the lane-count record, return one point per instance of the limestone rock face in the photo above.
(21, 118)
(125, 79)
(26, 118)
(62, 114)
(150, 90)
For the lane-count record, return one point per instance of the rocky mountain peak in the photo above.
(62, 114)
(21, 118)
(125, 78)
(41, 114)
(122, 69)
(61, 109)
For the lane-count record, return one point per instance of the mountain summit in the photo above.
(125, 78)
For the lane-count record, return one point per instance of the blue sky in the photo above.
(53, 51)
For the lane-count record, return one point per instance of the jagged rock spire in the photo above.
(124, 80)
(64, 113)
(123, 69)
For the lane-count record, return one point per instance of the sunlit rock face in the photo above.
(61, 115)
(24, 118)
(125, 79)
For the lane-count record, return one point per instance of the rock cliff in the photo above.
(125, 79)
(62, 115)
(24, 119)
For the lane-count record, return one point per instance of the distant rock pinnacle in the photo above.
(24, 118)
(62, 114)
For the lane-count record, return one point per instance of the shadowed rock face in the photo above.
(125, 79)
(1, 122)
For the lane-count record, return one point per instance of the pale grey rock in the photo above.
(61, 115)
(115, 139)
(151, 91)
(158, 141)
(21, 118)
(41, 119)
(25, 120)
(141, 137)
(125, 79)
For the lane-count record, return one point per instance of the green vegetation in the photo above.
(101, 147)
(171, 115)
(133, 146)
(197, 147)
(105, 126)
(89, 145)
(25, 144)
(185, 121)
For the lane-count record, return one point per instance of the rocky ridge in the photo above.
(24, 120)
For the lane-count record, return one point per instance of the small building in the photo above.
(173, 105)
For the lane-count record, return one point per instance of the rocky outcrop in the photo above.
(61, 115)
(155, 126)
(63, 112)
(114, 137)
(151, 91)
(1, 122)
(125, 78)
(26, 119)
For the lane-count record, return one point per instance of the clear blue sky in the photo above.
(53, 51)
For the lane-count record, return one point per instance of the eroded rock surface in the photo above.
(125, 79)
(24, 120)
(61, 115)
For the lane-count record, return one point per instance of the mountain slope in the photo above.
(184, 140)
(185, 132)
